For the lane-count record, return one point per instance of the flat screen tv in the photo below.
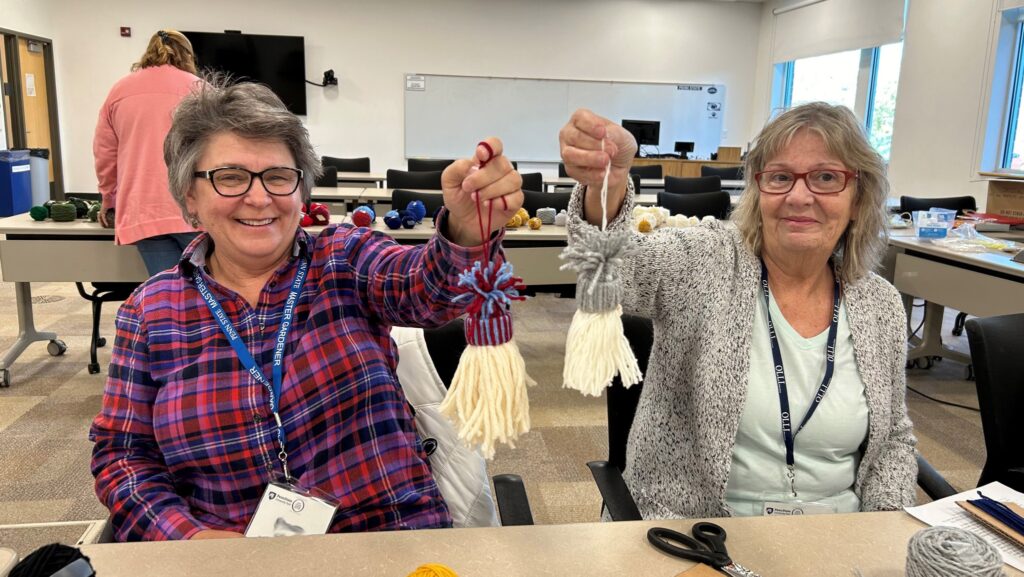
(645, 132)
(277, 61)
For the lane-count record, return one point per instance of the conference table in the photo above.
(867, 544)
(565, 181)
(83, 251)
(362, 177)
(980, 284)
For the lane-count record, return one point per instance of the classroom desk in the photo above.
(979, 284)
(376, 178)
(82, 251)
(869, 544)
(565, 181)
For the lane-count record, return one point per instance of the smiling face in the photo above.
(254, 231)
(801, 224)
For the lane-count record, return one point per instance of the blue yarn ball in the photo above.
(417, 209)
(393, 220)
(363, 216)
(408, 219)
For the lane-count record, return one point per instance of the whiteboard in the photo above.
(446, 115)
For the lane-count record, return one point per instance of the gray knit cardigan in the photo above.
(699, 286)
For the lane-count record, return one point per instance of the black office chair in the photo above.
(428, 164)
(726, 173)
(636, 182)
(957, 203)
(649, 171)
(693, 185)
(622, 403)
(328, 178)
(699, 204)
(400, 199)
(997, 352)
(561, 170)
(429, 180)
(533, 200)
(346, 164)
(102, 292)
(533, 181)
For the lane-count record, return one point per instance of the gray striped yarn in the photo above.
(597, 258)
(546, 215)
(951, 552)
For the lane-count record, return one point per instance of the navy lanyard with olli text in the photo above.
(788, 434)
(273, 388)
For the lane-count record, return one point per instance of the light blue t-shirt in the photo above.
(826, 451)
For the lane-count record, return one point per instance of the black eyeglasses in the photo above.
(232, 181)
(818, 181)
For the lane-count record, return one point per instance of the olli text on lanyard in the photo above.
(246, 358)
(788, 434)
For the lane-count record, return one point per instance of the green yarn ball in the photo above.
(39, 213)
(81, 206)
(63, 212)
(94, 212)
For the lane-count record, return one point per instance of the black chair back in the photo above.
(725, 173)
(622, 402)
(957, 203)
(533, 181)
(445, 345)
(431, 200)
(649, 171)
(636, 182)
(693, 185)
(700, 204)
(346, 164)
(997, 352)
(421, 180)
(328, 178)
(428, 164)
(561, 170)
(533, 200)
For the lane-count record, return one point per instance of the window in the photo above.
(1000, 144)
(865, 81)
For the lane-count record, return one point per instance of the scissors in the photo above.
(706, 546)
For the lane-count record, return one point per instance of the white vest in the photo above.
(460, 472)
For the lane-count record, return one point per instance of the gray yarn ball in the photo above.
(951, 552)
(546, 215)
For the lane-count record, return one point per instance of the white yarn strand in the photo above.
(951, 552)
(604, 192)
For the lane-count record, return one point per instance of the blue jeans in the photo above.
(163, 252)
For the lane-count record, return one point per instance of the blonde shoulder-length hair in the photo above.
(860, 248)
(168, 47)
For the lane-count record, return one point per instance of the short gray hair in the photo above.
(862, 245)
(247, 109)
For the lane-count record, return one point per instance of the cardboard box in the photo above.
(1006, 198)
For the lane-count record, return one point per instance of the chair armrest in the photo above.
(933, 484)
(513, 506)
(614, 491)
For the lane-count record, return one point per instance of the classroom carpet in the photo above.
(45, 417)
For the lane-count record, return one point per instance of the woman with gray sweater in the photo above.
(776, 380)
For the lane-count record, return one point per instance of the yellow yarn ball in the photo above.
(523, 215)
(534, 223)
(644, 226)
(515, 222)
(433, 570)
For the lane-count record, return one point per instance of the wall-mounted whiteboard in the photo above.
(445, 116)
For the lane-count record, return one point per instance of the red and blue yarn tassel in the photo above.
(487, 399)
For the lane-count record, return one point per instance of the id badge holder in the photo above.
(796, 507)
(286, 509)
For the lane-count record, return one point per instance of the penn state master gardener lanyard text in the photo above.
(788, 434)
(273, 388)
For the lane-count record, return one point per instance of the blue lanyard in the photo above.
(273, 388)
(788, 434)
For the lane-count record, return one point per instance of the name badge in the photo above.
(774, 508)
(286, 510)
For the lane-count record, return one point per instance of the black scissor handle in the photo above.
(713, 536)
(665, 539)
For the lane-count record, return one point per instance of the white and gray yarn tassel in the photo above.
(951, 552)
(596, 348)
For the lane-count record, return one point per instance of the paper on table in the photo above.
(947, 512)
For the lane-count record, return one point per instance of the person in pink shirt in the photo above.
(128, 148)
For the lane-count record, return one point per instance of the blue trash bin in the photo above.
(15, 182)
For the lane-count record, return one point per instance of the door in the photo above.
(34, 95)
